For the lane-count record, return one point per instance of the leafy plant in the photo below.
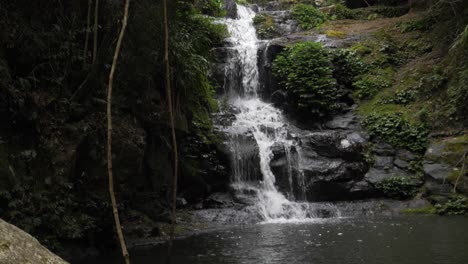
(399, 187)
(394, 129)
(369, 85)
(402, 97)
(457, 205)
(308, 16)
(347, 66)
(305, 71)
(211, 7)
(50, 214)
(342, 12)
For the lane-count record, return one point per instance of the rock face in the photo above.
(17, 246)
(329, 166)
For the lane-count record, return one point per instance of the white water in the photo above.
(267, 126)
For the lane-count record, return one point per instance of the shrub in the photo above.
(347, 66)
(394, 129)
(308, 16)
(305, 71)
(398, 187)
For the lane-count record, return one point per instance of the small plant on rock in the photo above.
(399, 187)
(457, 205)
(396, 130)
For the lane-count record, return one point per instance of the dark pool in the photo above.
(408, 239)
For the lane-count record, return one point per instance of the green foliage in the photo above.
(456, 205)
(265, 25)
(368, 85)
(398, 187)
(368, 13)
(347, 65)
(211, 7)
(401, 97)
(308, 16)
(424, 24)
(305, 71)
(394, 129)
(52, 214)
(342, 12)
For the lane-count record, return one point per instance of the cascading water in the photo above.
(263, 124)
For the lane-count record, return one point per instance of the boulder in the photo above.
(444, 161)
(334, 144)
(437, 171)
(17, 246)
(346, 121)
(376, 175)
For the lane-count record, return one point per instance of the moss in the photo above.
(423, 210)
(457, 144)
(335, 34)
(451, 150)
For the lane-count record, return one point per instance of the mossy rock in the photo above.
(448, 150)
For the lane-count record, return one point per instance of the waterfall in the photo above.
(258, 128)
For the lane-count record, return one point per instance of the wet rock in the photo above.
(437, 171)
(279, 98)
(444, 159)
(267, 52)
(406, 155)
(284, 165)
(218, 200)
(375, 175)
(346, 121)
(333, 144)
(436, 188)
(384, 149)
(231, 7)
(401, 164)
(17, 246)
(383, 162)
(245, 157)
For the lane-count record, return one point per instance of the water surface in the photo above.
(406, 239)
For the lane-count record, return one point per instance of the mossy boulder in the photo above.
(445, 160)
(17, 246)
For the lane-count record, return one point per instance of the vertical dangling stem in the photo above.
(171, 116)
(88, 23)
(96, 18)
(109, 135)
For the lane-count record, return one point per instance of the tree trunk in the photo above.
(88, 23)
(171, 116)
(109, 134)
(96, 21)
